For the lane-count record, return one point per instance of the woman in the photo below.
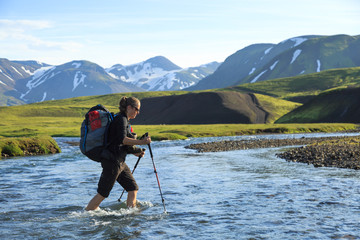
(113, 162)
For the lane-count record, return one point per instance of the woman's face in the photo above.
(133, 111)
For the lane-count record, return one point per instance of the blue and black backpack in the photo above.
(94, 132)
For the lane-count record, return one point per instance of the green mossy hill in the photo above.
(340, 105)
(10, 147)
(304, 87)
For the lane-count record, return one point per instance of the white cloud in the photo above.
(16, 29)
(25, 35)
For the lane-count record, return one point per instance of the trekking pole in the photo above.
(137, 162)
(157, 178)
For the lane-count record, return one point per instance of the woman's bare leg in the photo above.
(131, 198)
(94, 202)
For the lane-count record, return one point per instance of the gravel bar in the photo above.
(342, 152)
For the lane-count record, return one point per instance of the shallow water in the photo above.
(245, 194)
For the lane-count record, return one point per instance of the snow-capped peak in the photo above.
(158, 74)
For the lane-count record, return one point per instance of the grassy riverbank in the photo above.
(70, 127)
(39, 145)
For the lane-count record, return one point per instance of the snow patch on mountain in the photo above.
(194, 75)
(298, 40)
(295, 55)
(40, 76)
(122, 78)
(41, 71)
(273, 66)
(318, 65)
(77, 65)
(258, 76)
(44, 97)
(145, 71)
(78, 79)
(169, 82)
(6, 75)
(252, 71)
(162, 83)
(186, 84)
(17, 71)
(27, 71)
(268, 50)
(3, 83)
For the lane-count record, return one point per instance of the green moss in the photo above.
(28, 146)
(11, 149)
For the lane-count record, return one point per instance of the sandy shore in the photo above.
(342, 152)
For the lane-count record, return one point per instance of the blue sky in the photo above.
(188, 32)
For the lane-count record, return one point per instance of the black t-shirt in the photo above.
(118, 130)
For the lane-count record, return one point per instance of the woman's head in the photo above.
(130, 106)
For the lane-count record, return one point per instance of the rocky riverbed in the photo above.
(342, 152)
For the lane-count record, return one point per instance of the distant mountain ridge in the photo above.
(29, 81)
(73, 79)
(292, 57)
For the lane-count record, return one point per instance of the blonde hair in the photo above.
(128, 101)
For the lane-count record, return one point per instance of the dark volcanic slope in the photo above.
(202, 108)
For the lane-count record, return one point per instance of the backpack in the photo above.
(94, 132)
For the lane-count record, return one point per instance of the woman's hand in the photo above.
(146, 141)
(141, 154)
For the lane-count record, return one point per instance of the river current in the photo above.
(244, 194)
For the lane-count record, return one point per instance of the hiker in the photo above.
(120, 140)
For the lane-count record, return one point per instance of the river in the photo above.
(244, 194)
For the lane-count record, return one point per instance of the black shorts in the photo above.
(112, 172)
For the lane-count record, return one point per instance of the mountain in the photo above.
(340, 105)
(292, 57)
(245, 62)
(229, 71)
(160, 74)
(73, 79)
(10, 73)
(313, 55)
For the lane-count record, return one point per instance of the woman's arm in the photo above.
(131, 141)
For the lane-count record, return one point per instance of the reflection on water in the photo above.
(245, 194)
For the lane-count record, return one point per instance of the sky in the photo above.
(187, 32)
